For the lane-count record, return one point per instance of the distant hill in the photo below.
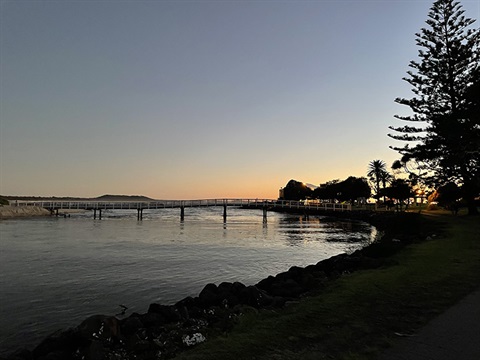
(109, 197)
(40, 198)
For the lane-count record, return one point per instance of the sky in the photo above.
(199, 99)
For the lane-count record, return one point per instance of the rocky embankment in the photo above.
(165, 330)
(8, 211)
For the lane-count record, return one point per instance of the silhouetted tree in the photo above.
(445, 138)
(296, 190)
(347, 190)
(399, 190)
(448, 195)
(327, 191)
(415, 171)
(352, 189)
(378, 175)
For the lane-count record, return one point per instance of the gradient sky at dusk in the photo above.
(199, 99)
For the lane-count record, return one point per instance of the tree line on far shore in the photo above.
(384, 187)
(378, 183)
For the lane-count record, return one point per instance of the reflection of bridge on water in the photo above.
(263, 204)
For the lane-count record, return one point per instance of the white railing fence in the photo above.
(163, 204)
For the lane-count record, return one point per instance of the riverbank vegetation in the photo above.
(360, 314)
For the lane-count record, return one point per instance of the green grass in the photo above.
(360, 314)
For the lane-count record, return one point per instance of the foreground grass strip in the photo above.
(362, 313)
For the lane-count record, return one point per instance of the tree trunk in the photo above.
(470, 191)
(471, 205)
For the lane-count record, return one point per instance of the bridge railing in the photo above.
(314, 205)
(163, 204)
(160, 204)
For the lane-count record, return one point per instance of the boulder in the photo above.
(169, 313)
(59, 342)
(266, 284)
(288, 288)
(151, 319)
(228, 293)
(209, 296)
(100, 327)
(131, 325)
(255, 297)
(57, 355)
(21, 354)
(95, 351)
(186, 302)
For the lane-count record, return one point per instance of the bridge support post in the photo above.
(139, 214)
(264, 214)
(56, 212)
(99, 214)
(182, 213)
(94, 214)
(224, 212)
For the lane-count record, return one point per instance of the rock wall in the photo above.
(8, 211)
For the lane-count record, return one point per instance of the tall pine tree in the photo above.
(445, 136)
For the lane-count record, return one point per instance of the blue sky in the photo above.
(199, 99)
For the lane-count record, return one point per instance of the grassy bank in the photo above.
(358, 315)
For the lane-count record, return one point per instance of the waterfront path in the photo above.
(455, 334)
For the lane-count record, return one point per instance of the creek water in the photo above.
(57, 271)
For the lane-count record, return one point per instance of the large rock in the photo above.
(208, 297)
(226, 295)
(60, 342)
(100, 327)
(20, 354)
(189, 307)
(169, 313)
(266, 284)
(131, 325)
(287, 288)
(151, 319)
(253, 296)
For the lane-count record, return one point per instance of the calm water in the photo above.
(55, 272)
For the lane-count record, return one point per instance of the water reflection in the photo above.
(299, 230)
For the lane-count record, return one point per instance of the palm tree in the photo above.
(377, 173)
(386, 178)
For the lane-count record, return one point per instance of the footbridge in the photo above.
(98, 206)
